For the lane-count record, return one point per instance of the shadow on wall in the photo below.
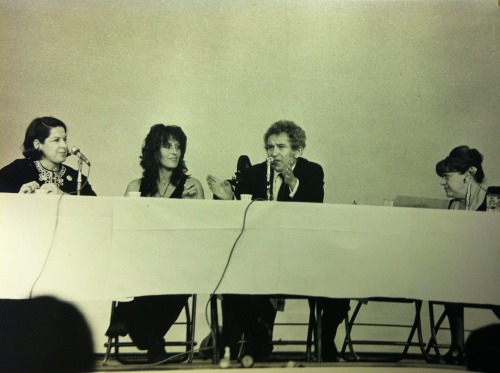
(44, 335)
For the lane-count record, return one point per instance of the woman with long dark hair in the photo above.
(147, 319)
(164, 168)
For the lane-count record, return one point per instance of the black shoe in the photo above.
(117, 329)
(455, 356)
(258, 343)
(330, 353)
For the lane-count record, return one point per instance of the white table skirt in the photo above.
(103, 248)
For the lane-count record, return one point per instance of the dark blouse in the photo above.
(179, 189)
(491, 190)
(25, 170)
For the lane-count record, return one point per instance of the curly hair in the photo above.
(158, 136)
(296, 134)
(39, 129)
(461, 159)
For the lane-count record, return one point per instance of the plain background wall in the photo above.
(383, 89)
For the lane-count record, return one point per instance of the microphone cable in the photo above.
(224, 273)
(50, 248)
(212, 334)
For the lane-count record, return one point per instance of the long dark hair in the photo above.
(158, 136)
(39, 129)
(462, 159)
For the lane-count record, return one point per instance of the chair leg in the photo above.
(108, 351)
(214, 319)
(420, 334)
(417, 327)
(242, 347)
(418, 305)
(191, 329)
(434, 330)
(110, 339)
(312, 334)
(348, 339)
(319, 331)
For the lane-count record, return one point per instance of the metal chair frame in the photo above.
(415, 327)
(190, 323)
(436, 326)
(313, 329)
(313, 337)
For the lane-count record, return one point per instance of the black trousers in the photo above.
(252, 315)
(149, 318)
(334, 311)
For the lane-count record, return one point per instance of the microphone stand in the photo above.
(268, 179)
(79, 179)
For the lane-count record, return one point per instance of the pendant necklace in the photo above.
(165, 192)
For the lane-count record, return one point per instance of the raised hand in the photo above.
(190, 190)
(288, 175)
(221, 188)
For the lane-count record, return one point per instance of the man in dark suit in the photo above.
(287, 177)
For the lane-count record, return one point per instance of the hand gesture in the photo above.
(29, 187)
(51, 189)
(190, 190)
(288, 175)
(221, 188)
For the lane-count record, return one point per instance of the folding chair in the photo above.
(310, 340)
(414, 327)
(436, 326)
(134, 357)
(310, 327)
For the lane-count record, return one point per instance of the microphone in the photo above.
(269, 160)
(77, 152)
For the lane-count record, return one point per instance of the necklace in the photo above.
(165, 191)
(49, 176)
(469, 198)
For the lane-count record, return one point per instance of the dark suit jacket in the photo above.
(310, 174)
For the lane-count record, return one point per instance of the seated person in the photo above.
(45, 148)
(288, 177)
(147, 319)
(481, 349)
(44, 334)
(462, 179)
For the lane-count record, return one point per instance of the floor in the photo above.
(412, 364)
